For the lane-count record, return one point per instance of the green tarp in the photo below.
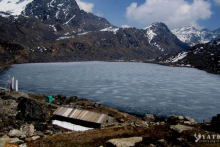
(49, 99)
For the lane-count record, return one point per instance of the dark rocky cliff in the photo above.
(202, 56)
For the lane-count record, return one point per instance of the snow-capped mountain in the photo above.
(160, 36)
(192, 36)
(57, 30)
(217, 33)
(64, 17)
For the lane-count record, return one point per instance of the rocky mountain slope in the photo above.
(57, 30)
(192, 36)
(202, 56)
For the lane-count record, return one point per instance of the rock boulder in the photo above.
(28, 129)
(190, 119)
(15, 133)
(216, 122)
(180, 128)
(149, 117)
(124, 142)
(30, 110)
(59, 99)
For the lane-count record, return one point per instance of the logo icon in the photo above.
(197, 137)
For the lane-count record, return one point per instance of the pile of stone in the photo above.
(63, 100)
(180, 123)
(152, 120)
(174, 120)
(26, 133)
(19, 137)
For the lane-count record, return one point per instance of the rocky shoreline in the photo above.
(26, 120)
(4, 67)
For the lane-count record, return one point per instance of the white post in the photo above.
(9, 86)
(16, 88)
(13, 83)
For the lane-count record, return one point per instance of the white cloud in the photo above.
(88, 7)
(217, 2)
(174, 13)
(125, 26)
(99, 14)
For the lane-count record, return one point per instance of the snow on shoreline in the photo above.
(70, 126)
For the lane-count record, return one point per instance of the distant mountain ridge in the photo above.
(192, 36)
(202, 56)
(57, 30)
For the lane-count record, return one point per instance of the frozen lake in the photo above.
(137, 88)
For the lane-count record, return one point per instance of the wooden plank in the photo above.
(78, 112)
(89, 116)
(81, 111)
(67, 112)
(84, 115)
(101, 118)
(64, 111)
(75, 114)
(71, 113)
(58, 109)
(95, 117)
(61, 111)
(104, 119)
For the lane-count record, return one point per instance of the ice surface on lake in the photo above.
(138, 88)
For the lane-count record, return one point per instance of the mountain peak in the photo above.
(156, 25)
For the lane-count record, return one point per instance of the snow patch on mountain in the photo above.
(51, 3)
(4, 14)
(54, 28)
(158, 46)
(83, 33)
(69, 20)
(150, 33)
(57, 14)
(176, 58)
(13, 7)
(110, 29)
(180, 56)
(65, 37)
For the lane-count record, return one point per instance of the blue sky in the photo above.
(142, 13)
